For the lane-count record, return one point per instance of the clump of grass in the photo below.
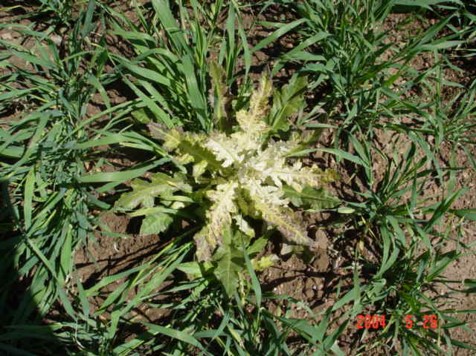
(187, 65)
(48, 209)
(340, 52)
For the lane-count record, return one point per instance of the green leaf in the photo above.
(230, 262)
(257, 246)
(117, 176)
(442, 264)
(156, 223)
(471, 285)
(141, 116)
(195, 269)
(469, 214)
(265, 262)
(340, 154)
(286, 102)
(176, 334)
(282, 30)
(220, 90)
(143, 193)
(310, 198)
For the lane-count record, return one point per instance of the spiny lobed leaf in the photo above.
(144, 193)
(219, 217)
(230, 261)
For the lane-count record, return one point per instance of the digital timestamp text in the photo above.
(375, 322)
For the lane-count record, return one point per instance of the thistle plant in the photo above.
(236, 178)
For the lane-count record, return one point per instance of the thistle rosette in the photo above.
(244, 174)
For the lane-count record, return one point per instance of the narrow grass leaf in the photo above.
(254, 280)
(28, 197)
(469, 214)
(176, 334)
(340, 154)
(277, 34)
(121, 176)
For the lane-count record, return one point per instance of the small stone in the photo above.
(56, 39)
(286, 249)
(309, 290)
(322, 263)
(6, 36)
(322, 242)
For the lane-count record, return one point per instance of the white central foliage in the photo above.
(243, 174)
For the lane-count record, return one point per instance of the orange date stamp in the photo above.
(375, 322)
